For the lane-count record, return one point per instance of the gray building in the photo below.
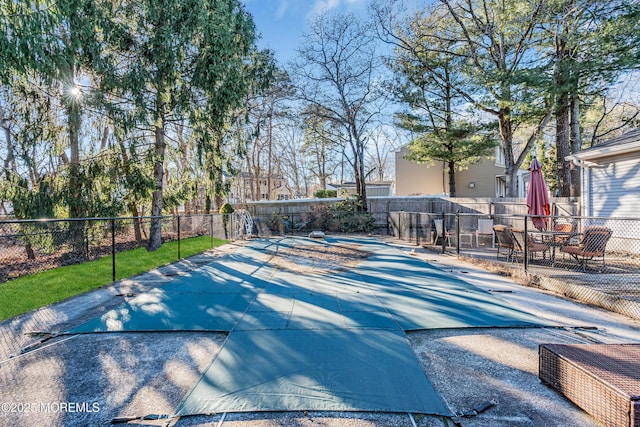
(610, 177)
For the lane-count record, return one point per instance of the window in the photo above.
(500, 156)
(501, 186)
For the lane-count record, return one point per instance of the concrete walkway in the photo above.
(91, 379)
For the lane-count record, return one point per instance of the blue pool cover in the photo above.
(332, 341)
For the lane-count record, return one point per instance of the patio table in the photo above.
(554, 239)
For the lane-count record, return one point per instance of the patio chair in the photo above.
(441, 232)
(506, 240)
(593, 244)
(533, 246)
(485, 228)
(561, 238)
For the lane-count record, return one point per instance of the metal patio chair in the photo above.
(441, 232)
(506, 240)
(593, 244)
(533, 246)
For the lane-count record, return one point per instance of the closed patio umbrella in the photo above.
(537, 196)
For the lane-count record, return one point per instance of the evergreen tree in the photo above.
(425, 83)
(181, 59)
(590, 44)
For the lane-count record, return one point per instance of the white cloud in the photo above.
(332, 6)
(321, 6)
(282, 9)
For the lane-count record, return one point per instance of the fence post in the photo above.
(417, 229)
(211, 230)
(388, 222)
(85, 232)
(444, 232)
(458, 232)
(113, 249)
(178, 217)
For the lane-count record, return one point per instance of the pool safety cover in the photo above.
(316, 370)
(330, 341)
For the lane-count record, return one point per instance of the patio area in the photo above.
(609, 280)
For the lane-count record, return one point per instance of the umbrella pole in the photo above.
(526, 244)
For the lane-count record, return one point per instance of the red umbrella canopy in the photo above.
(538, 196)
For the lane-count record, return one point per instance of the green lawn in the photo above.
(38, 290)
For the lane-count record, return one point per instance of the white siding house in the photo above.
(610, 177)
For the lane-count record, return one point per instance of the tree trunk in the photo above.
(9, 161)
(449, 125)
(506, 135)
(269, 153)
(76, 207)
(452, 178)
(137, 231)
(576, 145)
(155, 237)
(361, 184)
(562, 144)
(75, 202)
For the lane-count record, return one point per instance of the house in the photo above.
(483, 179)
(247, 187)
(374, 188)
(610, 177)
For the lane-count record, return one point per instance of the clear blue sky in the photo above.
(281, 23)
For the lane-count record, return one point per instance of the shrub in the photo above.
(226, 208)
(343, 216)
(325, 194)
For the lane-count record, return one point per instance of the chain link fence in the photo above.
(31, 246)
(593, 260)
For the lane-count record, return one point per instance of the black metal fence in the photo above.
(31, 246)
(595, 260)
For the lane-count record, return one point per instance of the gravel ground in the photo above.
(316, 257)
(92, 379)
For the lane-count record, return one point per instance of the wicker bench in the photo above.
(602, 379)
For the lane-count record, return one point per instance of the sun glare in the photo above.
(75, 92)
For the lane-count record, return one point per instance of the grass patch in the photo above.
(27, 293)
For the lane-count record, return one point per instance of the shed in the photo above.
(610, 177)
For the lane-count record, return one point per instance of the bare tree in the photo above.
(320, 144)
(385, 141)
(292, 156)
(337, 73)
(266, 114)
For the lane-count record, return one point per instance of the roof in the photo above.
(631, 136)
(368, 183)
(627, 143)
